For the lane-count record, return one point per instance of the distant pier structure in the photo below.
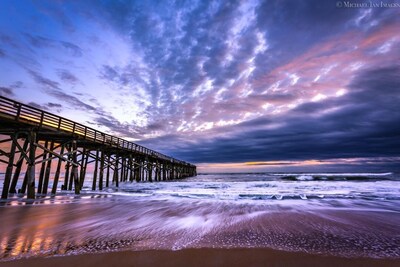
(55, 154)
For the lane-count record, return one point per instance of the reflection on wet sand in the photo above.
(35, 227)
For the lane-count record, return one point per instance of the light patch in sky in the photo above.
(386, 47)
(364, 13)
(317, 78)
(222, 123)
(356, 66)
(318, 97)
(266, 106)
(262, 44)
(294, 78)
(340, 92)
(204, 126)
(203, 88)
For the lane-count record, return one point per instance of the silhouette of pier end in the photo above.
(62, 151)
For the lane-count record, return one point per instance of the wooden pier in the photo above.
(37, 138)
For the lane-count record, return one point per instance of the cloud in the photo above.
(121, 129)
(47, 83)
(109, 73)
(6, 91)
(215, 81)
(67, 76)
(53, 89)
(253, 68)
(365, 122)
(41, 42)
(54, 105)
(36, 105)
(47, 106)
(72, 49)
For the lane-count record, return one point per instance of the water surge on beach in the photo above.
(346, 215)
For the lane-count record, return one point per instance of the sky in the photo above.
(226, 85)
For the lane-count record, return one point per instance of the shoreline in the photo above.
(105, 225)
(234, 257)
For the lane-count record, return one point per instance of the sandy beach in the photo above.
(200, 257)
(122, 231)
(207, 223)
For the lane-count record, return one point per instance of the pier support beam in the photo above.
(75, 168)
(108, 170)
(30, 172)
(96, 166)
(102, 158)
(115, 176)
(18, 167)
(7, 177)
(42, 169)
(84, 162)
(47, 172)
(57, 174)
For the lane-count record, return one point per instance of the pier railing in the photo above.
(42, 119)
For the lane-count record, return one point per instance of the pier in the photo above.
(62, 151)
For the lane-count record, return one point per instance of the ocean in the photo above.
(339, 214)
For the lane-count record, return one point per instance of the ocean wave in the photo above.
(336, 176)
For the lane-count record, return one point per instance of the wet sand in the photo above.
(89, 232)
(200, 257)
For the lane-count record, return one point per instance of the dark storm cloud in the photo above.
(366, 122)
